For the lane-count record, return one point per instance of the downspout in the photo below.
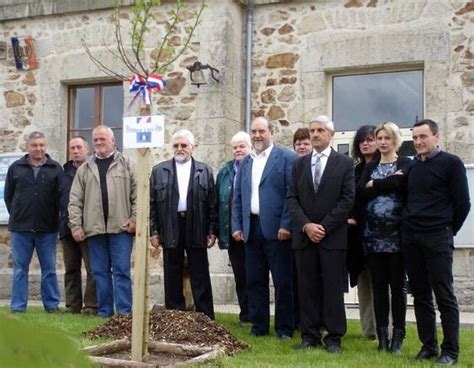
(248, 66)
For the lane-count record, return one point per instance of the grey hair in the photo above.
(323, 119)
(241, 137)
(106, 128)
(35, 135)
(184, 133)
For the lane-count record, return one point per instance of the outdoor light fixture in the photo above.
(197, 74)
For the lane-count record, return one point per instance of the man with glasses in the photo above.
(183, 219)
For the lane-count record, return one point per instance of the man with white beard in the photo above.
(183, 218)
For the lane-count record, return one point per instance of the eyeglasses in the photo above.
(180, 145)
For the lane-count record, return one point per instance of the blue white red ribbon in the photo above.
(143, 87)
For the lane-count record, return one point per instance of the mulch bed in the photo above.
(174, 326)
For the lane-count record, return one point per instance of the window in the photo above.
(92, 105)
(373, 98)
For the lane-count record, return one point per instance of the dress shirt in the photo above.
(259, 162)
(183, 171)
(324, 160)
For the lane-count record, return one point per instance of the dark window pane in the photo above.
(118, 139)
(112, 108)
(83, 107)
(87, 134)
(373, 98)
(343, 149)
(407, 149)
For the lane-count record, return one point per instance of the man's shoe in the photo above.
(333, 349)
(306, 345)
(52, 310)
(258, 334)
(284, 337)
(18, 311)
(72, 310)
(89, 312)
(425, 354)
(446, 360)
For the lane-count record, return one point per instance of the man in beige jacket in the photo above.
(102, 209)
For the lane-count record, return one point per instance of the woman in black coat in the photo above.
(364, 150)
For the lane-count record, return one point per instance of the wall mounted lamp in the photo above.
(197, 74)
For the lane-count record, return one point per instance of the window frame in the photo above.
(98, 113)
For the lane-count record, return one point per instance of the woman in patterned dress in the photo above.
(381, 187)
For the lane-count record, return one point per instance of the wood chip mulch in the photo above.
(174, 326)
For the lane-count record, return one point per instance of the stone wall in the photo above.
(298, 46)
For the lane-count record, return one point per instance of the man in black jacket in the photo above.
(74, 252)
(31, 197)
(183, 218)
(437, 205)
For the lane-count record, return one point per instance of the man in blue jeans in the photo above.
(32, 200)
(102, 209)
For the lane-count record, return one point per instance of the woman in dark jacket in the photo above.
(380, 186)
(364, 150)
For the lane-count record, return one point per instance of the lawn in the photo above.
(265, 351)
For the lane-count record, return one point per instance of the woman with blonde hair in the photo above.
(381, 187)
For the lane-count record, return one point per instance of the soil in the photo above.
(174, 326)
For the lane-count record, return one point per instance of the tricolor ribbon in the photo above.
(143, 87)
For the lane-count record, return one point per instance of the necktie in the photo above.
(317, 172)
(236, 171)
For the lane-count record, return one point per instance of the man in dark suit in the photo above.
(261, 220)
(319, 199)
(183, 218)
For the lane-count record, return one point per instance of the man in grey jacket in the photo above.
(102, 208)
(183, 218)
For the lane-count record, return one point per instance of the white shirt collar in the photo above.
(264, 153)
(326, 152)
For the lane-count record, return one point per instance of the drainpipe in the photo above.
(248, 66)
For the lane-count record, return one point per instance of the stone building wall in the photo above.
(298, 46)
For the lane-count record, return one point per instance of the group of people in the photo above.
(305, 216)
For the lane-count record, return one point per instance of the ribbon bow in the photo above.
(143, 87)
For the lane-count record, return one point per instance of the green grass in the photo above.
(269, 351)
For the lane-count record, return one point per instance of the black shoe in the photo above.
(284, 337)
(446, 360)
(305, 345)
(333, 349)
(382, 336)
(397, 340)
(425, 354)
(258, 334)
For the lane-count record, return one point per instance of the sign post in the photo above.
(142, 133)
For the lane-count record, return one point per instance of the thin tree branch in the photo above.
(120, 47)
(165, 38)
(100, 65)
(188, 40)
(138, 46)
